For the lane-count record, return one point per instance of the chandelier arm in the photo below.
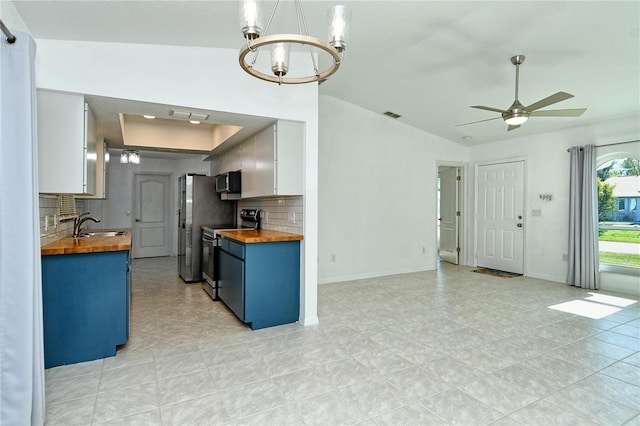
(273, 12)
(303, 29)
(299, 17)
(313, 61)
(256, 52)
(248, 40)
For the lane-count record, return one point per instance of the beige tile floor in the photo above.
(440, 347)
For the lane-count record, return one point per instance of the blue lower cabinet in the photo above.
(85, 304)
(260, 282)
(231, 283)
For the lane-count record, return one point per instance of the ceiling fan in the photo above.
(517, 113)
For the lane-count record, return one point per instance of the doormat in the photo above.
(496, 273)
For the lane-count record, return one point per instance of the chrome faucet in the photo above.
(78, 221)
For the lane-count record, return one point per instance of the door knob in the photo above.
(519, 225)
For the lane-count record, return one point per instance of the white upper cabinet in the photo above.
(232, 160)
(248, 168)
(102, 172)
(66, 144)
(274, 165)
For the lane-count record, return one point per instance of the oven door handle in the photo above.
(208, 238)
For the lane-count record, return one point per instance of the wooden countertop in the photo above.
(259, 235)
(68, 245)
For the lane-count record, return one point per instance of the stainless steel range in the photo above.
(209, 257)
(249, 219)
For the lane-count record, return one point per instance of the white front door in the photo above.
(152, 235)
(448, 243)
(500, 222)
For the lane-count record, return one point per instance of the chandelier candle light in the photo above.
(251, 26)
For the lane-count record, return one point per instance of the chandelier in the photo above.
(256, 37)
(130, 157)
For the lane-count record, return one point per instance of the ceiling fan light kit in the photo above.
(515, 115)
(256, 37)
(518, 114)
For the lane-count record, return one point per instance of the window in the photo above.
(618, 219)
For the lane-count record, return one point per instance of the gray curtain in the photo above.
(583, 255)
(21, 348)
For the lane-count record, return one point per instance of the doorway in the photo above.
(500, 216)
(152, 218)
(450, 202)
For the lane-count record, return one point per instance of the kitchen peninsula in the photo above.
(86, 289)
(260, 276)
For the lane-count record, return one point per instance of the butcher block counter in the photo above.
(249, 236)
(68, 245)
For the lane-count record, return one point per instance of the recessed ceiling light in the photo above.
(467, 138)
(150, 117)
(195, 116)
(180, 114)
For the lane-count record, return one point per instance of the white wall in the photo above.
(200, 78)
(11, 17)
(377, 193)
(547, 172)
(113, 210)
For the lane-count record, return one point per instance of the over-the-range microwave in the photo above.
(228, 183)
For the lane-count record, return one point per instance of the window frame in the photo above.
(611, 267)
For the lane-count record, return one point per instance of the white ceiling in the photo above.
(425, 60)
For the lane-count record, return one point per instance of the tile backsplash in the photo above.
(284, 214)
(51, 228)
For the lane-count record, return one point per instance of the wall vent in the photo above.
(67, 206)
(391, 114)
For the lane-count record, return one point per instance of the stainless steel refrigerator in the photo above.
(199, 205)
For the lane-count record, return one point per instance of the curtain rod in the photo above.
(10, 37)
(611, 144)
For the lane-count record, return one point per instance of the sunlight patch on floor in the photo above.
(610, 300)
(585, 309)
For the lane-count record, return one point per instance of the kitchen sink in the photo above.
(94, 234)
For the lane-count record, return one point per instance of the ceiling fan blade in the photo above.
(489, 108)
(560, 113)
(474, 122)
(510, 128)
(558, 97)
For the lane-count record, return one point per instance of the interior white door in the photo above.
(152, 235)
(448, 242)
(500, 222)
